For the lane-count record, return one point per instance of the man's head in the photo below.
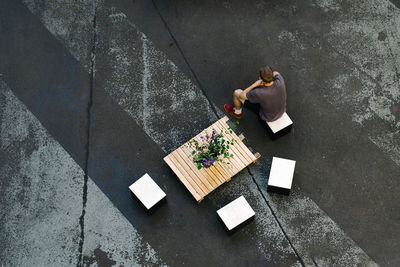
(266, 74)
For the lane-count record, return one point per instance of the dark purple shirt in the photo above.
(272, 99)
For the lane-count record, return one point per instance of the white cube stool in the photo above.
(235, 213)
(147, 191)
(282, 124)
(281, 175)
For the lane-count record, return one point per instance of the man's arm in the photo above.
(258, 83)
(278, 79)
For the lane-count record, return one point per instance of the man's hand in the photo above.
(258, 83)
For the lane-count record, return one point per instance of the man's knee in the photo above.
(237, 92)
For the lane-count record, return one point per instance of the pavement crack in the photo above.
(87, 145)
(185, 59)
(276, 218)
(316, 265)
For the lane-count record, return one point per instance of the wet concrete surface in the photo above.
(123, 84)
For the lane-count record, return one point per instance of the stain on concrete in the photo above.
(395, 109)
(381, 36)
(99, 258)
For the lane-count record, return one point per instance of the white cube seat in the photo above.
(147, 191)
(281, 175)
(278, 125)
(235, 213)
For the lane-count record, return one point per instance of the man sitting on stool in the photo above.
(268, 91)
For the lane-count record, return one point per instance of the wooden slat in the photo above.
(235, 150)
(212, 174)
(239, 144)
(241, 155)
(208, 174)
(201, 172)
(186, 175)
(222, 174)
(235, 161)
(217, 170)
(242, 145)
(197, 137)
(243, 148)
(182, 178)
(231, 167)
(202, 182)
(203, 177)
(228, 174)
(205, 187)
(185, 155)
(229, 170)
(224, 119)
(212, 181)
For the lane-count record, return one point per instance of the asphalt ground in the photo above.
(95, 93)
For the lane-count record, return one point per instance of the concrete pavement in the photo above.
(121, 82)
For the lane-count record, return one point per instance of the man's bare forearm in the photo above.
(248, 89)
(251, 87)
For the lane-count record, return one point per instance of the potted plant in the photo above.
(213, 147)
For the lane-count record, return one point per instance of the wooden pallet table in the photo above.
(202, 182)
